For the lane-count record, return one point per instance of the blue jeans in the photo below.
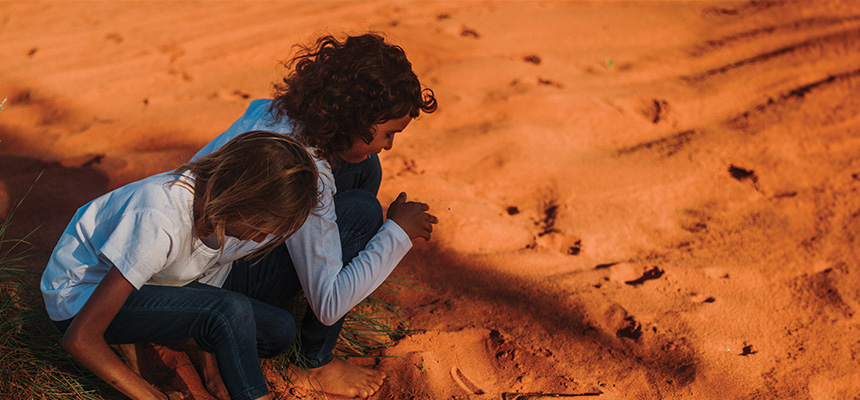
(273, 279)
(236, 328)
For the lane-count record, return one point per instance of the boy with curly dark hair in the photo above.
(346, 100)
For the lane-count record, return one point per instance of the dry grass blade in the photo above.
(375, 323)
(32, 363)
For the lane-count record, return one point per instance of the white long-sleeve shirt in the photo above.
(332, 288)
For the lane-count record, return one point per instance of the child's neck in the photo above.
(211, 242)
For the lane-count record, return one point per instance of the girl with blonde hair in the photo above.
(128, 266)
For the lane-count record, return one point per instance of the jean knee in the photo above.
(359, 207)
(230, 318)
(371, 210)
(279, 335)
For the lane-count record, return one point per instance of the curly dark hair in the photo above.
(339, 89)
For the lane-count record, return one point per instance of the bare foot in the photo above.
(338, 377)
(212, 376)
(207, 368)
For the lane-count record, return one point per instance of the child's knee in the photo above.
(280, 335)
(230, 317)
(370, 208)
(359, 207)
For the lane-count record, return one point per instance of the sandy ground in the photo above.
(639, 200)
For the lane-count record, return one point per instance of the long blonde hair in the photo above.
(264, 180)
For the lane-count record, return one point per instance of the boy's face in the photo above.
(383, 138)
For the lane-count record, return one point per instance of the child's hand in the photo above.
(412, 217)
(176, 395)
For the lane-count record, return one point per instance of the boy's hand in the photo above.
(412, 217)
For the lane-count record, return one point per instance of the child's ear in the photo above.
(372, 135)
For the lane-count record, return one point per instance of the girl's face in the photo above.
(383, 138)
(244, 232)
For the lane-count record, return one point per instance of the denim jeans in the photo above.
(236, 328)
(273, 278)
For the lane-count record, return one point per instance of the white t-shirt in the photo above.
(332, 289)
(145, 229)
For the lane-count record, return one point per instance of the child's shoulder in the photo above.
(160, 194)
(259, 104)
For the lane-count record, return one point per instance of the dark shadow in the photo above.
(55, 193)
(556, 315)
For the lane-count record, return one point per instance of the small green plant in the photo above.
(375, 323)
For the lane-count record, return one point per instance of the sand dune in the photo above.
(643, 200)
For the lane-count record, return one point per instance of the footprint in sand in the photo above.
(614, 318)
(655, 110)
(451, 28)
(633, 330)
(236, 94)
(549, 82)
(409, 168)
(469, 33)
(743, 174)
(650, 274)
(533, 59)
(172, 50)
(476, 362)
(465, 383)
(549, 236)
(701, 298)
(114, 37)
(563, 243)
(630, 273)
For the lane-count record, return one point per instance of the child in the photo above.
(347, 99)
(126, 268)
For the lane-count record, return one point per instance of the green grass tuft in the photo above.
(375, 323)
(32, 363)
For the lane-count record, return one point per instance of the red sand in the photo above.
(578, 147)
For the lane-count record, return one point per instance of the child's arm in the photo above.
(333, 288)
(84, 339)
